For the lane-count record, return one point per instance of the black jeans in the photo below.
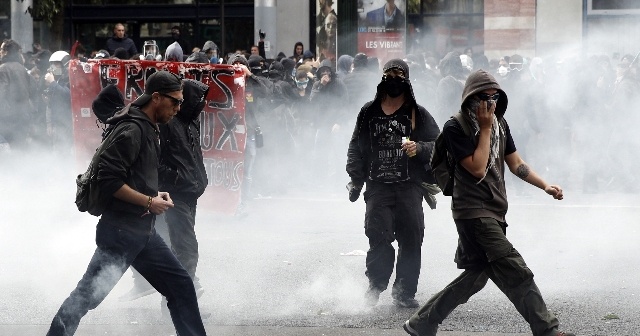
(180, 222)
(394, 212)
(503, 265)
(117, 249)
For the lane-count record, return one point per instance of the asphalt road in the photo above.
(293, 266)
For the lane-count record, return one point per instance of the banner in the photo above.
(222, 127)
(382, 29)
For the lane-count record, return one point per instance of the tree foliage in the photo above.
(45, 10)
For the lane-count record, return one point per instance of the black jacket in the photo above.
(358, 155)
(182, 172)
(126, 43)
(132, 159)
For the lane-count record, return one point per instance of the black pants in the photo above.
(499, 262)
(117, 249)
(394, 212)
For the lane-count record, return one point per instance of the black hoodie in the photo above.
(131, 158)
(182, 172)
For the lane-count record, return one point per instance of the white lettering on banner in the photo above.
(383, 44)
(223, 173)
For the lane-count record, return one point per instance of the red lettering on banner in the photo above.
(222, 127)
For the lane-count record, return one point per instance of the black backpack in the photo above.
(89, 197)
(442, 165)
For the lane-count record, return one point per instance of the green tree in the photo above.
(51, 13)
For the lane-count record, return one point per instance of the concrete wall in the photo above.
(558, 27)
(293, 25)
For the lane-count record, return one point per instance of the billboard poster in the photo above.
(222, 127)
(382, 29)
(326, 31)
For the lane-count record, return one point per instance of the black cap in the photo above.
(162, 82)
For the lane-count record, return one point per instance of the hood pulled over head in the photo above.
(195, 95)
(108, 101)
(479, 81)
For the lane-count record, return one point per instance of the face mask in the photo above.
(56, 71)
(503, 70)
(394, 86)
(175, 36)
(302, 85)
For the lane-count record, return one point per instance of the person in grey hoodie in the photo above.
(174, 53)
(479, 205)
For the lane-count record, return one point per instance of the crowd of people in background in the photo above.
(569, 106)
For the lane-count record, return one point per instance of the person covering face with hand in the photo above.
(479, 205)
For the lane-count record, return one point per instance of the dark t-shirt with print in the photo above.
(389, 163)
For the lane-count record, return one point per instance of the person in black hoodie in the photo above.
(479, 205)
(183, 175)
(125, 234)
(390, 146)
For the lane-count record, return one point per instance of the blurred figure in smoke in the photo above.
(479, 205)
(528, 101)
(18, 118)
(329, 96)
(125, 235)
(257, 88)
(624, 139)
(392, 141)
(449, 87)
(58, 97)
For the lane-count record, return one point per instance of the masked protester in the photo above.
(391, 143)
(478, 205)
(58, 97)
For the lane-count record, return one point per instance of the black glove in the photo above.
(354, 191)
(261, 34)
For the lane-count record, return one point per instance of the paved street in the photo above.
(293, 266)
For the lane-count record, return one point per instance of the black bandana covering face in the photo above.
(394, 86)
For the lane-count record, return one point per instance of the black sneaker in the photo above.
(372, 296)
(406, 303)
(411, 331)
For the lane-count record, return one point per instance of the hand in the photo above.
(354, 191)
(243, 68)
(325, 79)
(49, 78)
(555, 191)
(484, 114)
(160, 203)
(410, 147)
(261, 34)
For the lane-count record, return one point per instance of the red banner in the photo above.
(222, 127)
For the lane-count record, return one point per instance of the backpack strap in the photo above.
(463, 123)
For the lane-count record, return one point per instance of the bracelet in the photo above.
(149, 203)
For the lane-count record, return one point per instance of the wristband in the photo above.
(149, 203)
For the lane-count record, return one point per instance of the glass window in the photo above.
(442, 34)
(614, 4)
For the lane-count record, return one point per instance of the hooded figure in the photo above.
(212, 52)
(344, 66)
(198, 57)
(107, 103)
(174, 53)
(391, 143)
(449, 87)
(479, 205)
